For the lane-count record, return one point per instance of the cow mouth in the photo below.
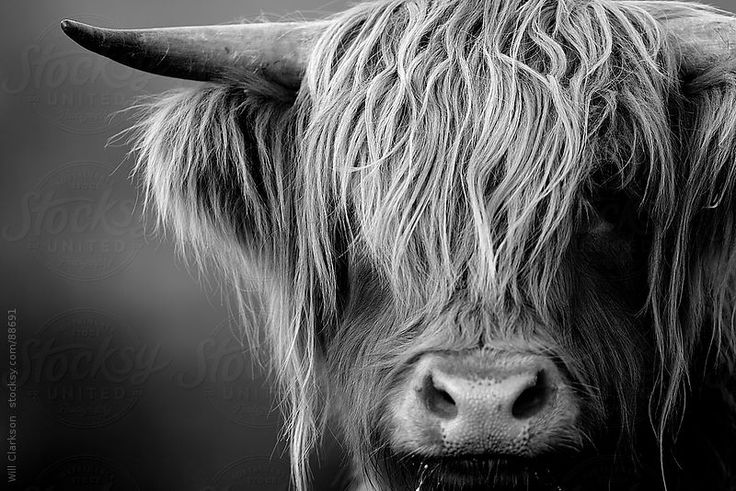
(560, 470)
(476, 472)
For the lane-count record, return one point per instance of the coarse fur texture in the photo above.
(456, 174)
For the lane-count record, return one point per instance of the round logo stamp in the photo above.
(69, 86)
(250, 474)
(86, 369)
(85, 472)
(80, 222)
(229, 378)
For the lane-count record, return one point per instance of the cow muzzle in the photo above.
(490, 403)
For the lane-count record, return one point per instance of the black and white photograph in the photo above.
(383, 245)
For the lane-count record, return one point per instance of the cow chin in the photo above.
(559, 470)
(469, 473)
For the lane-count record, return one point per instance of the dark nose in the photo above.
(493, 402)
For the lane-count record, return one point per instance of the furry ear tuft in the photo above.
(211, 161)
(710, 203)
(704, 227)
(217, 166)
(693, 265)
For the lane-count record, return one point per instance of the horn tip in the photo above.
(69, 25)
(74, 29)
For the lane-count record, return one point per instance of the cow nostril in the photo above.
(485, 403)
(533, 398)
(438, 401)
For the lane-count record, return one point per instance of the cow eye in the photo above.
(611, 210)
(618, 212)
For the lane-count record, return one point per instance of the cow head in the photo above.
(494, 239)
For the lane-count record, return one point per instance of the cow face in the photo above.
(479, 227)
(490, 257)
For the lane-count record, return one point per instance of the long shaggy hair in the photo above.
(442, 159)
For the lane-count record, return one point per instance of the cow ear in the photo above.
(696, 256)
(699, 238)
(213, 161)
(218, 168)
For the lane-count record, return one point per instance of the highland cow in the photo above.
(494, 240)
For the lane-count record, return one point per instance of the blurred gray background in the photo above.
(130, 376)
